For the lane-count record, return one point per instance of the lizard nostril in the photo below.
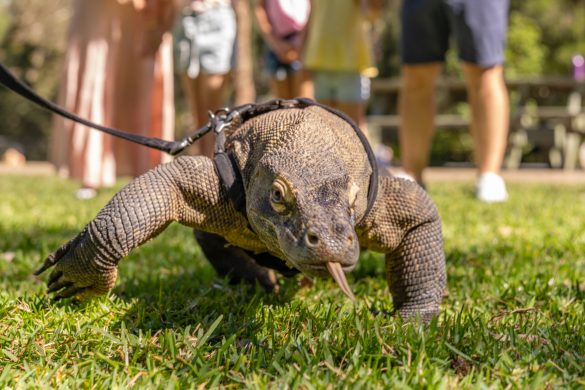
(312, 239)
(350, 239)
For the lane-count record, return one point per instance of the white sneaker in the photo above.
(404, 175)
(85, 193)
(491, 188)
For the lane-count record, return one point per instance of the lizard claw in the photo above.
(46, 265)
(54, 257)
(58, 285)
(69, 292)
(55, 275)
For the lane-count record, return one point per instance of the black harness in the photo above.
(222, 119)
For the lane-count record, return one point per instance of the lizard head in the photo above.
(307, 219)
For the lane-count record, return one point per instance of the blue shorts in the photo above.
(343, 87)
(479, 28)
(278, 69)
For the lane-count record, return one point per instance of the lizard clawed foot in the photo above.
(78, 272)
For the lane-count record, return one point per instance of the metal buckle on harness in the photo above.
(219, 121)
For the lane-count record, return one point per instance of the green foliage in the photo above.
(32, 47)
(4, 20)
(453, 146)
(514, 316)
(562, 25)
(386, 40)
(525, 54)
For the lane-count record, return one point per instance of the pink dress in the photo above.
(118, 72)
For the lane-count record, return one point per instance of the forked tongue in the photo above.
(339, 276)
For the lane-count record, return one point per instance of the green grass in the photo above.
(514, 315)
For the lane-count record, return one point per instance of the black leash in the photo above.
(218, 122)
(170, 147)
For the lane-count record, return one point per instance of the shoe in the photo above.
(383, 155)
(406, 176)
(85, 193)
(491, 188)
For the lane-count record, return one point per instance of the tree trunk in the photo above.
(244, 90)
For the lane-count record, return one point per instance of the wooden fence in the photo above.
(548, 113)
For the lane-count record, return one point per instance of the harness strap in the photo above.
(231, 179)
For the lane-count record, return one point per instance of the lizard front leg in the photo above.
(186, 190)
(405, 225)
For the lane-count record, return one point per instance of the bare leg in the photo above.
(296, 84)
(417, 113)
(488, 97)
(305, 84)
(204, 94)
(283, 89)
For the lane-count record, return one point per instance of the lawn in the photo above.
(513, 315)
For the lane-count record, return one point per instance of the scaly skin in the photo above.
(405, 225)
(187, 191)
(306, 178)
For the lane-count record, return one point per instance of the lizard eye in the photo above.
(278, 195)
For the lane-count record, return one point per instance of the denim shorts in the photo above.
(479, 28)
(344, 87)
(278, 69)
(205, 42)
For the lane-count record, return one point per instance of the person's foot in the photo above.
(85, 193)
(404, 175)
(491, 188)
(407, 176)
(383, 155)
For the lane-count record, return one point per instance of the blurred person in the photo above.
(339, 54)
(479, 28)
(205, 40)
(118, 73)
(282, 24)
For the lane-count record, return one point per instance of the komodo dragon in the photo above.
(305, 176)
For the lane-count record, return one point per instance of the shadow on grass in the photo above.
(193, 295)
(197, 298)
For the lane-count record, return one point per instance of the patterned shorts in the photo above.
(204, 43)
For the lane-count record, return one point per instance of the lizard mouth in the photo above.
(319, 263)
